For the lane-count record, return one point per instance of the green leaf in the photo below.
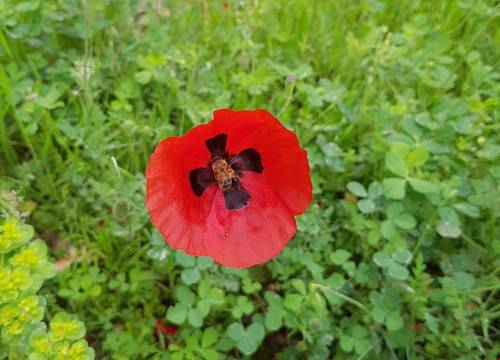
(378, 314)
(346, 343)
(402, 256)
(397, 271)
(393, 321)
(381, 259)
(195, 317)
(293, 302)
(396, 164)
(417, 157)
(177, 314)
(274, 318)
(190, 276)
(373, 237)
(448, 214)
(256, 332)
(247, 346)
(299, 285)
(143, 77)
(366, 206)
(394, 188)
(185, 296)
(236, 331)
(388, 230)
(357, 189)
(448, 230)
(374, 190)
(423, 186)
(468, 209)
(464, 280)
(184, 260)
(204, 262)
(361, 345)
(393, 209)
(340, 256)
(404, 221)
(358, 331)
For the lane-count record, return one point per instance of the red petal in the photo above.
(177, 213)
(285, 163)
(251, 235)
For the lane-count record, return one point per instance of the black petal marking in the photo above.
(236, 198)
(249, 160)
(200, 179)
(217, 146)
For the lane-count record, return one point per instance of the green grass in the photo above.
(88, 88)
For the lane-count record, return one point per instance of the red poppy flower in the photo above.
(229, 189)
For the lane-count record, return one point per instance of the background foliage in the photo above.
(398, 105)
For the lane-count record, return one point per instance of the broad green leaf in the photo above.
(388, 230)
(190, 276)
(204, 262)
(402, 256)
(184, 260)
(339, 256)
(357, 189)
(404, 221)
(236, 331)
(393, 209)
(346, 343)
(374, 190)
(397, 271)
(373, 237)
(381, 259)
(423, 186)
(247, 346)
(361, 345)
(393, 321)
(395, 164)
(358, 331)
(256, 332)
(143, 77)
(293, 302)
(177, 314)
(448, 214)
(378, 314)
(464, 280)
(273, 318)
(195, 317)
(394, 188)
(366, 206)
(185, 296)
(448, 230)
(417, 157)
(299, 285)
(468, 209)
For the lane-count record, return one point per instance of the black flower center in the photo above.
(225, 171)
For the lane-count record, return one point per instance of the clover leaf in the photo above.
(248, 339)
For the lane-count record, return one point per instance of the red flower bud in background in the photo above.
(164, 331)
(229, 189)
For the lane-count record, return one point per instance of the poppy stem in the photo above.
(289, 87)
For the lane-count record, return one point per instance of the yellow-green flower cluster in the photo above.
(23, 269)
(13, 235)
(63, 341)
